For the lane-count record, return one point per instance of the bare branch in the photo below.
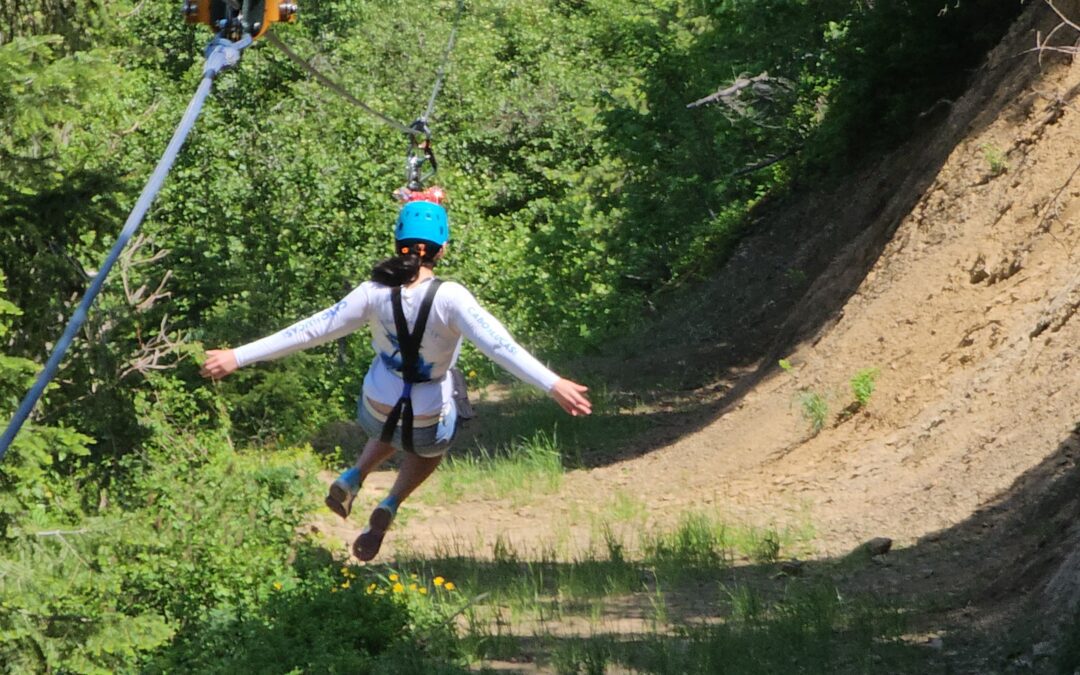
(1042, 44)
(129, 261)
(761, 86)
(60, 533)
(768, 161)
(152, 354)
(1064, 19)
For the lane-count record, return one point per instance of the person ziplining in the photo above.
(411, 392)
(417, 323)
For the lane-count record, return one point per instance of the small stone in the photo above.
(792, 568)
(1043, 650)
(879, 545)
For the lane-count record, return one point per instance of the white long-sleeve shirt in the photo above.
(455, 313)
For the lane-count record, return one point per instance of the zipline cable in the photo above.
(335, 87)
(441, 73)
(220, 54)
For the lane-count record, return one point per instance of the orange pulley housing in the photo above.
(228, 15)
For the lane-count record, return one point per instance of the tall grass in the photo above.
(518, 472)
(614, 607)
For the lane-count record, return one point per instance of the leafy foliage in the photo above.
(40, 455)
(580, 183)
(133, 535)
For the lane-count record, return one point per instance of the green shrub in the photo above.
(312, 625)
(815, 409)
(40, 475)
(995, 159)
(863, 384)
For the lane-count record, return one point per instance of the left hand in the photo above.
(571, 396)
(219, 363)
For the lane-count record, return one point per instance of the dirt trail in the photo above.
(969, 312)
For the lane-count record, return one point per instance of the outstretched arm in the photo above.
(492, 338)
(329, 324)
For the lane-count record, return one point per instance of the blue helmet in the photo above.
(422, 221)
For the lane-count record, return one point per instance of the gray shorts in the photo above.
(431, 441)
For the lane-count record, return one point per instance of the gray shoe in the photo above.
(369, 542)
(340, 498)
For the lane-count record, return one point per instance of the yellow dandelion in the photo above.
(345, 585)
(412, 587)
(423, 591)
(277, 585)
(438, 581)
(414, 575)
(393, 577)
(371, 588)
(334, 589)
(472, 373)
(398, 588)
(449, 586)
(345, 571)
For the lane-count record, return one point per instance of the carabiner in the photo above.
(420, 151)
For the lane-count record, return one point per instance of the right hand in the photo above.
(571, 396)
(219, 363)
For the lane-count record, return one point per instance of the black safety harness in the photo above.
(409, 348)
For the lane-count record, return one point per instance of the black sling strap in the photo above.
(409, 348)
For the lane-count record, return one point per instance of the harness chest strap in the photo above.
(409, 348)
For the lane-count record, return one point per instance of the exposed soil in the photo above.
(952, 268)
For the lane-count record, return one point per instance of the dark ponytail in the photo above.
(403, 268)
(396, 271)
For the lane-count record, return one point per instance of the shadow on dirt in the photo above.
(945, 605)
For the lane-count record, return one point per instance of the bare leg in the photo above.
(414, 471)
(375, 453)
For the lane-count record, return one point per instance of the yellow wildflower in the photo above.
(423, 591)
(472, 373)
(398, 588)
(345, 571)
(412, 587)
(334, 589)
(371, 588)
(393, 577)
(449, 586)
(277, 585)
(346, 584)
(414, 575)
(438, 581)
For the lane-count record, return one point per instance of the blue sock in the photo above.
(391, 502)
(352, 478)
